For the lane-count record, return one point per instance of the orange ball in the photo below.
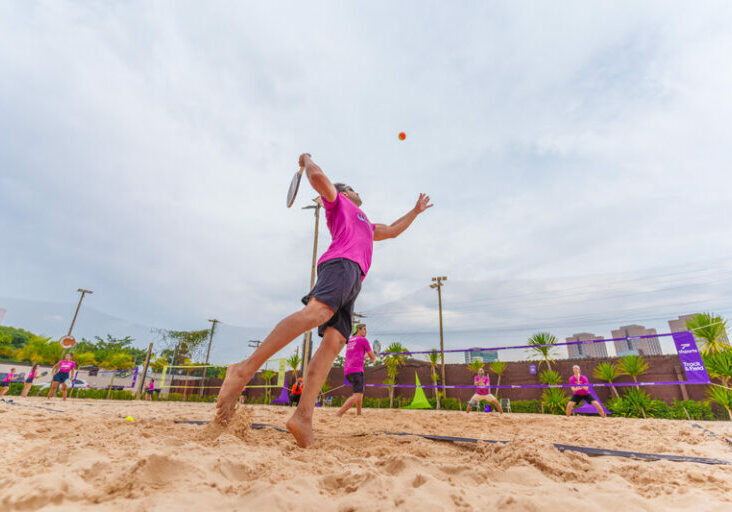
(402, 135)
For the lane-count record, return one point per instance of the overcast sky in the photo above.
(146, 148)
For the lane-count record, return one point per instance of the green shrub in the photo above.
(696, 410)
(554, 400)
(530, 406)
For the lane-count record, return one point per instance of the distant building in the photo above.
(376, 346)
(486, 356)
(643, 347)
(2, 315)
(586, 349)
(679, 325)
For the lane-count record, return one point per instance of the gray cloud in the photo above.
(145, 148)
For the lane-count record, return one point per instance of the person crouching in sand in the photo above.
(581, 392)
(483, 392)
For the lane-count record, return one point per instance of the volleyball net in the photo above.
(684, 342)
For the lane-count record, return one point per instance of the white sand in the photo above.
(88, 458)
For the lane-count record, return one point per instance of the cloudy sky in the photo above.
(578, 157)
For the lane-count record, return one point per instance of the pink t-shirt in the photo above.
(151, 386)
(32, 374)
(8, 377)
(355, 351)
(65, 366)
(352, 233)
(582, 382)
(482, 385)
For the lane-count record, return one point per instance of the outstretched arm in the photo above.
(382, 231)
(317, 178)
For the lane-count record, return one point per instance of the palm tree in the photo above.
(711, 329)
(553, 399)
(476, 365)
(118, 361)
(497, 367)
(633, 365)
(393, 360)
(546, 353)
(608, 372)
(434, 361)
(268, 375)
(719, 365)
(293, 362)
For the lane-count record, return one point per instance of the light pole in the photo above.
(208, 353)
(438, 282)
(73, 321)
(308, 339)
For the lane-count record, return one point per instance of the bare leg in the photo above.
(300, 423)
(498, 405)
(352, 400)
(570, 406)
(358, 404)
(237, 375)
(4, 390)
(54, 387)
(599, 408)
(63, 391)
(26, 388)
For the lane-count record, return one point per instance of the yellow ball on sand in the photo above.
(129, 418)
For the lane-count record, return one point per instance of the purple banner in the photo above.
(690, 357)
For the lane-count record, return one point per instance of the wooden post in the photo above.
(144, 371)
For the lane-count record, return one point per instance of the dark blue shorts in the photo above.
(338, 286)
(356, 380)
(61, 377)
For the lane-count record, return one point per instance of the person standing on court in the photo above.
(358, 347)
(29, 380)
(296, 391)
(581, 392)
(329, 305)
(65, 372)
(5, 386)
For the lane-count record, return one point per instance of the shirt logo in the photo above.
(362, 217)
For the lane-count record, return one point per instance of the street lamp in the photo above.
(438, 282)
(73, 321)
(308, 339)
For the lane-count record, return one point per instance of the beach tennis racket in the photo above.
(294, 186)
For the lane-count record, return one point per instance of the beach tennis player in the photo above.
(483, 392)
(358, 347)
(29, 380)
(581, 392)
(150, 390)
(66, 370)
(5, 386)
(329, 304)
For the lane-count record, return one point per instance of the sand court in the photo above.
(89, 458)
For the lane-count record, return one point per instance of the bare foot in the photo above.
(231, 389)
(301, 429)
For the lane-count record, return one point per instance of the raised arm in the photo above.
(371, 355)
(396, 228)
(317, 178)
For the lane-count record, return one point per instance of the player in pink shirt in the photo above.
(483, 392)
(5, 386)
(357, 347)
(329, 304)
(581, 392)
(29, 380)
(150, 389)
(66, 370)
